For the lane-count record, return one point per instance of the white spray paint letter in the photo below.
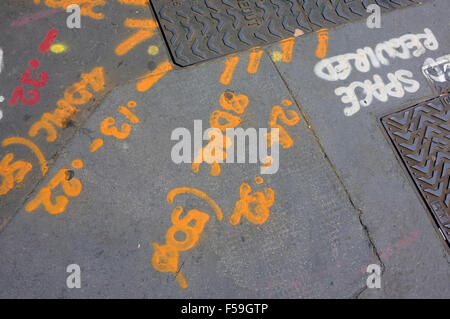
(437, 70)
(405, 47)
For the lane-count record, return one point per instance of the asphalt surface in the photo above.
(340, 201)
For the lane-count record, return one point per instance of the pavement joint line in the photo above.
(357, 295)
(358, 211)
(52, 160)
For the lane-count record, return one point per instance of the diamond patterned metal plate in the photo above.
(199, 30)
(421, 137)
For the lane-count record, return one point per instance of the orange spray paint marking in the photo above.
(267, 161)
(139, 3)
(287, 48)
(322, 46)
(258, 202)
(60, 116)
(95, 145)
(166, 257)
(230, 66)
(77, 164)
(283, 137)
(107, 128)
(254, 60)
(237, 103)
(65, 110)
(71, 187)
(86, 6)
(218, 116)
(12, 173)
(198, 193)
(286, 102)
(147, 30)
(181, 280)
(32, 147)
(128, 114)
(131, 104)
(95, 79)
(153, 77)
(213, 153)
(259, 180)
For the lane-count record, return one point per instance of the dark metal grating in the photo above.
(199, 30)
(420, 135)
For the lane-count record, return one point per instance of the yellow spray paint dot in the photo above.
(58, 48)
(153, 50)
(277, 56)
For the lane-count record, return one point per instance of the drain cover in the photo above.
(421, 136)
(199, 30)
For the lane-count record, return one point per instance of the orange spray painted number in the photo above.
(107, 126)
(322, 46)
(70, 185)
(254, 207)
(12, 173)
(165, 257)
(278, 113)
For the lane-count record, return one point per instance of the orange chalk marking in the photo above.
(128, 114)
(230, 66)
(95, 145)
(258, 202)
(283, 137)
(153, 77)
(237, 103)
(12, 173)
(287, 48)
(322, 46)
(71, 188)
(107, 128)
(254, 60)
(198, 193)
(37, 152)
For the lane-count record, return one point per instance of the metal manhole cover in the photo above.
(421, 136)
(199, 30)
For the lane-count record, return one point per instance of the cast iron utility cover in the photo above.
(199, 30)
(421, 137)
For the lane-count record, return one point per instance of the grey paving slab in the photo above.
(312, 245)
(24, 26)
(416, 264)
